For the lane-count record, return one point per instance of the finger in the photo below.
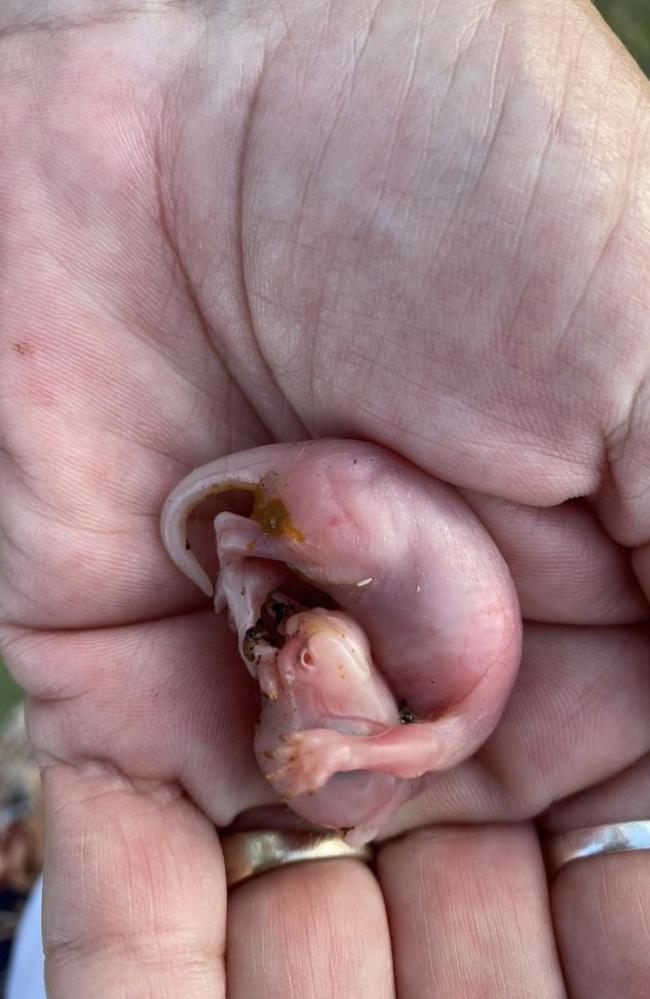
(565, 567)
(169, 700)
(578, 714)
(600, 908)
(311, 930)
(623, 798)
(469, 914)
(134, 897)
(600, 904)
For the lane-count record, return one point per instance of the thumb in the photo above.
(135, 898)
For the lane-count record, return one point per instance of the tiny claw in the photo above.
(306, 761)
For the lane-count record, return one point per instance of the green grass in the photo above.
(630, 19)
(10, 693)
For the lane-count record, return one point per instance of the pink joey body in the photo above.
(407, 668)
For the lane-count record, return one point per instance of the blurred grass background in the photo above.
(9, 692)
(630, 19)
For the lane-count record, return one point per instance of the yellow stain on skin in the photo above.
(269, 512)
(273, 517)
(341, 671)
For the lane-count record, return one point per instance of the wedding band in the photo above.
(249, 853)
(594, 841)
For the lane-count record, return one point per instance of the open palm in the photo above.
(421, 224)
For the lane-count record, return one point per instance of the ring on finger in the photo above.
(593, 841)
(247, 854)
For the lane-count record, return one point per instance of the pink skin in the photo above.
(418, 581)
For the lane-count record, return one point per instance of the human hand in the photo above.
(425, 227)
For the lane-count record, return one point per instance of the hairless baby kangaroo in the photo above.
(405, 669)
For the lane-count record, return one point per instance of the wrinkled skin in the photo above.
(225, 224)
(413, 574)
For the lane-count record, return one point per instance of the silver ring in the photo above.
(593, 841)
(249, 853)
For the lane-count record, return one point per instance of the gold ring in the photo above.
(620, 837)
(247, 854)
